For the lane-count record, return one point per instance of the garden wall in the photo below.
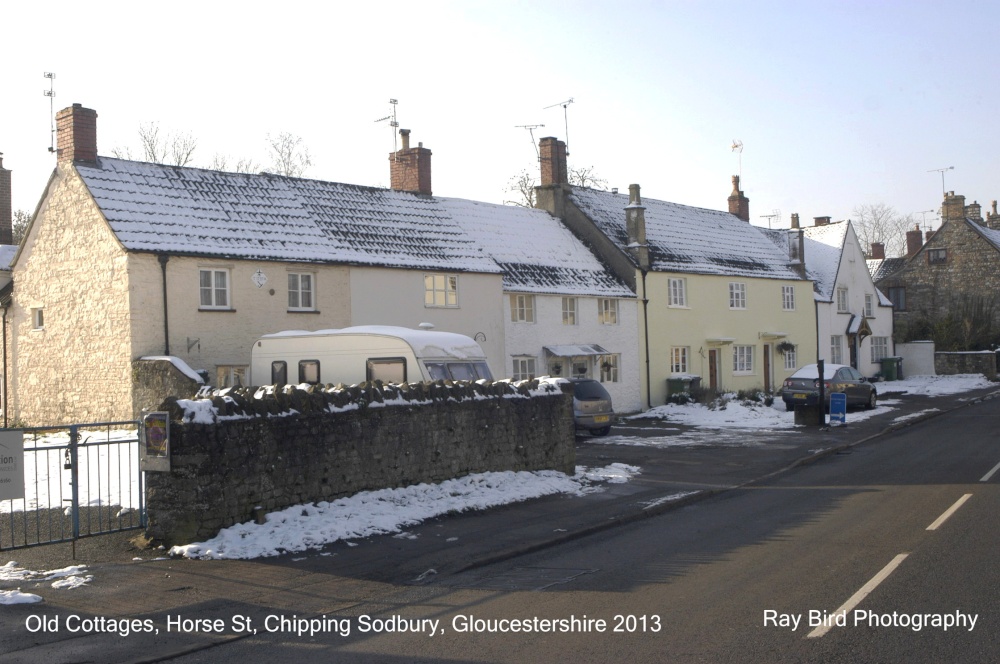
(234, 455)
(973, 362)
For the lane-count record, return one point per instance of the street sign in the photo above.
(838, 408)
(11, 465)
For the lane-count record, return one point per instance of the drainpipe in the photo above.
(6, 406)
(163, 258)
(645, 324)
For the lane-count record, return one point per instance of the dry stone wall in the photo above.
(296, 446)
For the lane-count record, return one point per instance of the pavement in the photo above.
(132, 581)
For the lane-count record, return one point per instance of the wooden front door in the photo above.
(767, 367)
(713, 369)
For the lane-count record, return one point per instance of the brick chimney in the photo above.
(6, 207)
(552, 158)
(821, 221)
(914, 240)
(76, 134)
(878, 251)
(953, 208)
(738, 203)
(635, 227)
(410, 168)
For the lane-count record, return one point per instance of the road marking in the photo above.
(951, 510)
(987, 476)
(861, 594)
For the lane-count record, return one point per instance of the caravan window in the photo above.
(483, 371)
(461, 371)
(458, 370)
(437, 370)
(387, 369)
(279, 373)
(309, 371)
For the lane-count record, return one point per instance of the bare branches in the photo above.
(522, 186)
(220, 162)
(586, 177)
(288, 155)
(20, 225)
(878, 222)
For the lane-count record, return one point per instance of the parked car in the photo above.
(592, 409)
(802, 387)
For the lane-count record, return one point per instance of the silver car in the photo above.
(592, 409)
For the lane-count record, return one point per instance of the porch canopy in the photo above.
(575, 350)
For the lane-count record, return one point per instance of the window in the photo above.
(607, 311)
(897, 295)
(836, 350)
(880, 348)
(869, 305)
(678, 293)
(524, 368)
(737, 295)
(742, 359)
(300, 292)
(609, 368)
(792, 358)
(842, 306)
(279, 373)
(788, 298)
(679, 359)
(214, 289)
(38, 319)
(386, 369)
(230, 376)
(569, 311)
(441, 290)
(522, 308)
(309, 371)
(937, 256)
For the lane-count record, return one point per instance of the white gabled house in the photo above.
(565, 313)
(853, 318)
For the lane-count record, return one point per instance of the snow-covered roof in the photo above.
(990, 235)
(425, 343)
(880, 268)
(824, 246)
(7, 252)
(191, 211)
(536, 252)
(682, 238)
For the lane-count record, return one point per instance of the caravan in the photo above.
(366, 353)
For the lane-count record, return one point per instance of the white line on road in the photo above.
(861, 594)
(987, 476)
(951, 510)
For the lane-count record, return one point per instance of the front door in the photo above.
(767, 367)
(713, 369)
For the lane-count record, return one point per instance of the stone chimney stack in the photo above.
(552, 158)
(821, 221)
(738, 203)
(878, 251)
(76, 134)
(992, 218)
(635, 227)
(953, 208)
(974, 211)
(914, 240)
(795, 220)
(6, 206)
(410, 168)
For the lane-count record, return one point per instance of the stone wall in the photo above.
(155, 379)
(979, 362)
(343, 441)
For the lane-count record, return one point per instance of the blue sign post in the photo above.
(838, 408)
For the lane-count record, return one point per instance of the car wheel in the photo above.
(872, 399)
(603, 431)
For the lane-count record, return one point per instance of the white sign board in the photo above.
(11, 465)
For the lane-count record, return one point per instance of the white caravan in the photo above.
(365, 353)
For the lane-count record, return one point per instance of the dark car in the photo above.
(802, 387)
(592, 408)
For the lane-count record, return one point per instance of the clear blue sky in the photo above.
(837, 104)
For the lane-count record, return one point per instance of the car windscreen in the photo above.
(589, 390)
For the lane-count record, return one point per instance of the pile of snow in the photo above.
(388, 511)
(70, 577)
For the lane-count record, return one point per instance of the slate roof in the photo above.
(536, 252)
(687, 239)
(880, 268)
(990, 235)
(191, 211)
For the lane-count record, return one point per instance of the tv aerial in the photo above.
(392, 123)
(565, 105)
(737, 147)
(51, 94)
(531, 130)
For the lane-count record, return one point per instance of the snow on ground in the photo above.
(387, 511)
(66, 578)
(936, 385)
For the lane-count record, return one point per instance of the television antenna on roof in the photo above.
(392, 123)
(775, 214)
(565, 105)
(737, 146)
(51, 93)
(941, 171)
(531, 130)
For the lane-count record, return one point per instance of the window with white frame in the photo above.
(836, 349)
(880, 348)
(440, 290)
(679, 359)
(842, 306)
(677, 293)
(742, 359)
(214, 288)
(607, 311)
(792, 358)
(300, 291)
(524, 368)
(737, 295)
(569, 311)
(522, 308)
(869, 305)
(609, 368)
(788, 298)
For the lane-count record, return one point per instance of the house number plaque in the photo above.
(259, 278)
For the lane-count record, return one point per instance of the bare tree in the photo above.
(586, 177)
(173, 149)
(221, 163)
(20, 225)
(288, 155)
(522, 186)
(878, 222)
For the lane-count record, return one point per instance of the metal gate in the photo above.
(80, 480)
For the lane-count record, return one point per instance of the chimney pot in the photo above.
(739, 204)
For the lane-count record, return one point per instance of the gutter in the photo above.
(164, 258)
(645, 325)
